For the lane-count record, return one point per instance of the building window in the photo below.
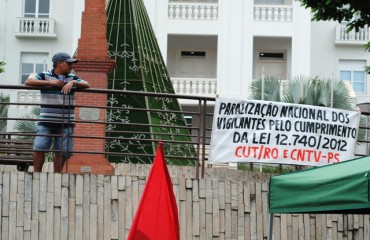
(37, 8)
(32, 63)
(271, 56)
(193, 54)
(189, 122)
(354, 72)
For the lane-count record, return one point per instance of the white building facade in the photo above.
(31, 32)
(234, 42)
(211, 47)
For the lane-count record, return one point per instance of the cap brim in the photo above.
(71, 60)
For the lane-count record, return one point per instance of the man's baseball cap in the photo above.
(62, 56)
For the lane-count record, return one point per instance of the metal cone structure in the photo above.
(140, 67)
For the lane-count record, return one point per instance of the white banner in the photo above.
(273, 132)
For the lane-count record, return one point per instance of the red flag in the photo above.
(156, 216)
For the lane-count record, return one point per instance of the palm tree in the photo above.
(28, 126)
(3, 111)
(271, 87)
(303, 90)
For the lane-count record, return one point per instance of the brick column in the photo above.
(93, 66)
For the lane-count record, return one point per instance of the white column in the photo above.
(158, 14)
(301, 41)
(235, 48)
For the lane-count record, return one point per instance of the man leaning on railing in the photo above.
(56, 120)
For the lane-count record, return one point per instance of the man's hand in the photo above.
(68, 87)
(56, 83)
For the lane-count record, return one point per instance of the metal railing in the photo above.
(16, 146)
(120, 140)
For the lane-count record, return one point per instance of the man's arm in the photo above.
(75, 83)
(81, 84)
(33, 81)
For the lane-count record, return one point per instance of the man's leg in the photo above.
(64, 144)
(58, 163)
(38, 161)
(42, 144)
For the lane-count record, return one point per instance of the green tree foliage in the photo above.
(28, 126)
(2, 64)
(355, 12)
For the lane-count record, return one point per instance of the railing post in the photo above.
(203, 128)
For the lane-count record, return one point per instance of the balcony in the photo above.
(343, 37)
(35, 28)
(193, 11)
(195, 86)
(273, 13)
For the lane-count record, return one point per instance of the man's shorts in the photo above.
(63, 140)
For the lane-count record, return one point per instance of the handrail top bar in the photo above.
(97, 90)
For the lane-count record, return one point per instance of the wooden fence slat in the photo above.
(202, 215)
(100, 203)
(228, 219)
(72, 186)
(259, 210)
(182, 189)
(182, 218)
(86, 213)
(35, 197)
(79, 189)
(20, 209)
(121, 183)
(6, 194)
(72, 216)
(27, 235)
(306, 226)
(312, 226)
(19, 233)
(128, 204)
(12, 219)
(265, 213)
(13, 187)
(43, 189)
(366, 227)
(189, 216)
(34, 229)
(42, 225)
(64, 211)
(114, 218)
(5, 228)
(196, 219)
(79, 222)
(234, 195)
(93, 222)
(135, 193)
(107, 208)
(28, 187)
(121, 214)
(57, 189)
(240, 219)
(93, 188)
(209, 226)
